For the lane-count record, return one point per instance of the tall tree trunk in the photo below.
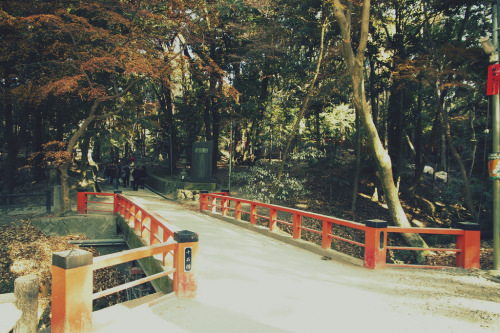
(59, 125)
(305, 104)
(38, 170)
(96, 151)
(264, 94)
(373, 90)
(395, 123)
(12, 142)
(354, 64)
(208, 109)
(432, 140)
(85, 153)
(216, 124)
(317, 125)
(419, 160)
(167, 106)
(449, 141)
(358, 163)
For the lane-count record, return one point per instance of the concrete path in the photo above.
(251, 283)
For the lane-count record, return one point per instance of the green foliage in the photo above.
(338, 120)
(310, 154)
(260, 182)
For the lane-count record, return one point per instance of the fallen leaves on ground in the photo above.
(25, 250)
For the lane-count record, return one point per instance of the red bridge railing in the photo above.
(72, 271)
(375, 231)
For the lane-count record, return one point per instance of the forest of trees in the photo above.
(401, 82)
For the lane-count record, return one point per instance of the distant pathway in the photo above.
(251, 283)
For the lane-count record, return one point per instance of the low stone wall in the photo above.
(92, 226)
(193, 195)
(182, 190)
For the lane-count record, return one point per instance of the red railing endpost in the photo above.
(470, 244)
(203, 200)
(72, 291)
(375, 244)
(185, 263)
(81, 202)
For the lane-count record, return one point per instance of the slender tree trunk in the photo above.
(318, 125)
(96, 151)
(472, 117)
(85, 153)
(264, 93)
(419, 161)
(208, 109)
(59, 125)
(354, 64)
(38, 170)
(358, 163)
(216, 125)
(12, 143)
(63, 169)
(433, 138)
(463, 172)
(373, 92)
(305, 104)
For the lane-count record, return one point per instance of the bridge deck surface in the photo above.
(252, 283)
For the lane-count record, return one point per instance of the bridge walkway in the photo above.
(252, 283)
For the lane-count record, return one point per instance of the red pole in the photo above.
(297, 221)
(470, 244)
(72, 291)
(81, 202)
(326, 240)
(375, 244)
(273, 216)
(185, 263)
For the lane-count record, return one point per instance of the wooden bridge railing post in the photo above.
(273, 216)
(72, 291)
(326, 239)
(213, 204)
(203, 200)
(297, 231)
(185, 263)
(253, 214)
(225, 204)
(375, 244)
(237, 210)
(81, 202)
(470, 244)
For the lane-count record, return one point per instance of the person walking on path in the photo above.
(143, 176)
(136, 173)
(117, 176)
(108, 173)
(126, 176)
